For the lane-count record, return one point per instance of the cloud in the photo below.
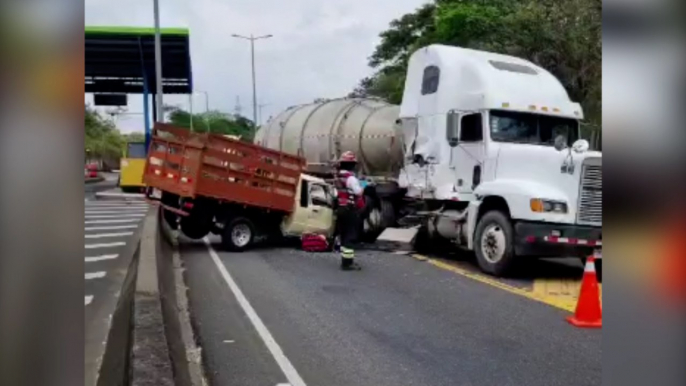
(319, 48)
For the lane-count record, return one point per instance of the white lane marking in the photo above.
(283, 384)
(120, 211)
(101, 235)
(112, 221)
(111, 228)
(100, 258)
(116, 215)
(95, 275)
(116, 205)
(286, 367)
(94, 204)
(108, 245)
(89, 299)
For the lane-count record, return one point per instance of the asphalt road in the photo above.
(111, 235)
(399, 321)
(110, 182)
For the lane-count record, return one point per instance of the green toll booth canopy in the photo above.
(120, 59)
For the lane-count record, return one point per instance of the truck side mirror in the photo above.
(453, 128)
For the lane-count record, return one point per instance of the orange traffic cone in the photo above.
(589, 313)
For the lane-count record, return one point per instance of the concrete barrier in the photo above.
(113, 367)
(151, 340)
(150, 361)
(184, 353)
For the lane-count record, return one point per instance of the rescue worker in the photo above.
(350, 201)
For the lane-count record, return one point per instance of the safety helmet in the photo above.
(347, 156)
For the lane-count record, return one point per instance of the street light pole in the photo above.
(254, 92)
(158, 62)
(252, 55)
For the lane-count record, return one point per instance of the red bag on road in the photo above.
(314, 243)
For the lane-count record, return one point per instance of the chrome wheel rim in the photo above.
(493, 243)
(240, 235)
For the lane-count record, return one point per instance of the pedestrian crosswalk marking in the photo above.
(113, 227)
(95, 275)
(107, 245)
(89, 299)
(119, 211)
(102, 235)
(117, 215)
(113, 221)
(100, 258)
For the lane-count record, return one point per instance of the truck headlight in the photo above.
(548, 206)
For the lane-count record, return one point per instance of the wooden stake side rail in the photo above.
(211, 165)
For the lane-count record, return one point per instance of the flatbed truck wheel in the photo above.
(238, 234)
(195, 228)
(493, 243)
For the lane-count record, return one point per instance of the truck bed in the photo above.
(212, 165)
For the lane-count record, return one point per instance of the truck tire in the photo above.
(195, 228)
(238, 235)
(387, 214)
(493, 243)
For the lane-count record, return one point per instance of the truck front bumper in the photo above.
(556, 240)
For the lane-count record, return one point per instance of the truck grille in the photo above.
(591, 195)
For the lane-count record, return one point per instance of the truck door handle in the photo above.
(315, 210)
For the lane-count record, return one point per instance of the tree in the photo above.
(102, 139)
(213, 121)
(563, 37)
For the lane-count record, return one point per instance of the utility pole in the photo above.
(252, 55)
(237, 109)
(158, 62)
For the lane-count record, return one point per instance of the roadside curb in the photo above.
(185, 354)
(150, 361)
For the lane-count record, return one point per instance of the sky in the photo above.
(319, 48)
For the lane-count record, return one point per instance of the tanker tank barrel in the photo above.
(321, 131)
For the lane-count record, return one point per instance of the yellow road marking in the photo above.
(538, 295)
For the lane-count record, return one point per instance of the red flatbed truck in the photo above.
(215, 184)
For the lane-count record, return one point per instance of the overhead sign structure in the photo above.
(121, 60)
(110, 99)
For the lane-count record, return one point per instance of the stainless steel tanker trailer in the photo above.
(321, 131)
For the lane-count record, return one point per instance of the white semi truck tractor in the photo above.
(484, 153)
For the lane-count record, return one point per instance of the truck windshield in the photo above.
(535, 129)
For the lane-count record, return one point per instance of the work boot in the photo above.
(347, 258)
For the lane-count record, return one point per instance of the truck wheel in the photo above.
(493, 243)
(238, 234)
(195, 229)
(387, 214)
